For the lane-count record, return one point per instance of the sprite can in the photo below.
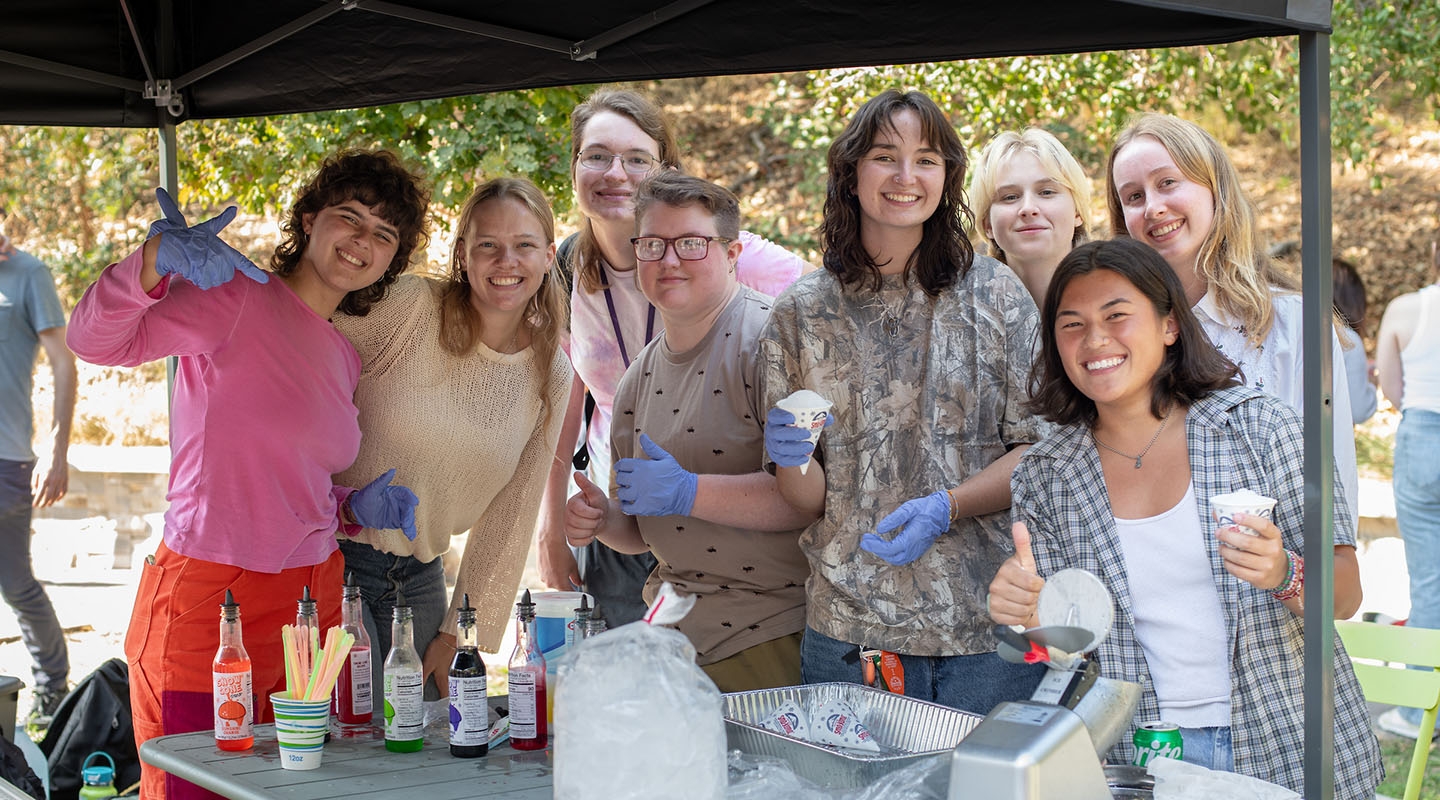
(1157, 740)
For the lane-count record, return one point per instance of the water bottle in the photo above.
(99, 780)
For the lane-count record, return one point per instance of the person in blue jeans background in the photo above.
(1407, 354)
(31, 318)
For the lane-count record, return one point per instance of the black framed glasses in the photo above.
(687, 248)
(635, 162)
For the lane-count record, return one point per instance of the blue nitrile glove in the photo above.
(198, 254)
(383, 507)
(787, 445)
(924, 518)
(657, 486)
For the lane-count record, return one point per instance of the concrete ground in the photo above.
(75, 559)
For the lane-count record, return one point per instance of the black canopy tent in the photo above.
(157, 63)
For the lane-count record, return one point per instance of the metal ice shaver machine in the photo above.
(1050, 747)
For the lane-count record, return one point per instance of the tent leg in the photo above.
(1316, 279)
(170, 179)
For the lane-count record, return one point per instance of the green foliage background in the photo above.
(75, 195)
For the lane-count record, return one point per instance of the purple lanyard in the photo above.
(615, 324)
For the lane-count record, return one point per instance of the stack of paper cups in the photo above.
(554, 613)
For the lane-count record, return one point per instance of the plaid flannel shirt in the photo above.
(1237, 439)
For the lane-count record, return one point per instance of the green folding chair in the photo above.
(1389, 682)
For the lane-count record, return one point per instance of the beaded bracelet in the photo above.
(1294, 578)
(954, 507)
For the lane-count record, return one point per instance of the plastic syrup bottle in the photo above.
(527, 683)
(469, 719)
(231, 683)
(404, 688)
(354, 695)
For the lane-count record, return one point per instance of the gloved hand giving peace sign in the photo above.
(197, 253)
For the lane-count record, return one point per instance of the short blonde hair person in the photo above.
(1052, 155)
(1233, 260)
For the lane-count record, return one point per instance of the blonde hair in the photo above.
(1233, 260)
(546, 315)
(1053, 157)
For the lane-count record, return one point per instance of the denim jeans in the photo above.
(1417, 511)
(382, 578)
(975, 683)
(39, 627)
(1208, 747)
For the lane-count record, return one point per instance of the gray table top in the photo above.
(355, 765)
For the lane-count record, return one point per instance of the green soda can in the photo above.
(1157, 740)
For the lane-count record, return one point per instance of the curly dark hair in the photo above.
(375, 178)
(945, 252)
(1192, 368)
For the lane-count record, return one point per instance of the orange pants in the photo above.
(174, 633)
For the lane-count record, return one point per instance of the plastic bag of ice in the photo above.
(636, 718)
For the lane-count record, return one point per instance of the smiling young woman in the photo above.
(1209, 618)
(922, 347)
(463, 392)
(263, 416)
(1171, 185)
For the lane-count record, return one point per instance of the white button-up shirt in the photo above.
(1277, 368)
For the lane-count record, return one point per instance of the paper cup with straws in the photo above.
(300, 727)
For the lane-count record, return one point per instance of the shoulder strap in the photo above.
(564, 259)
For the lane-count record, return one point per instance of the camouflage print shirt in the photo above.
(927, 392)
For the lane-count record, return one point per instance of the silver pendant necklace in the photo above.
(1153, 440)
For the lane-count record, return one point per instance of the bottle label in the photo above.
(404, 706)
(234, 709)
(469, 719)
(362, 699)
(522, 704)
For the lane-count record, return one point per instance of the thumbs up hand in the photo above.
(1015, 591)
(586, 512)
(656, 486)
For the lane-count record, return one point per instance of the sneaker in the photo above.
(1393, 722)
(42, 711)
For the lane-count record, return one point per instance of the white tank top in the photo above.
(1420, 360)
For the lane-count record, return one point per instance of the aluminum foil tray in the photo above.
(906, 729)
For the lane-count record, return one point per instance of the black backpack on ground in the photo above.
(94, 716)
(15, 769)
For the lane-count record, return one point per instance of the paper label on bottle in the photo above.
(234, 705)
(469, 719)
(404, 706)
(523, 718)
(362, 697)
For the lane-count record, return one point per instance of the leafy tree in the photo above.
(1382, 62)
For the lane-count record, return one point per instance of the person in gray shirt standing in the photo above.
(30, 318)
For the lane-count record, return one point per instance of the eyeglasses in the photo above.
(687, 248)
(635, 162)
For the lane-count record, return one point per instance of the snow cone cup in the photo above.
(810, 411)
(300, 727)
(1224, 507)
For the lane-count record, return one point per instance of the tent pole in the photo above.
(1317, 282)
(170, 179)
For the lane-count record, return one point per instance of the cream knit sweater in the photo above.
(467, 435)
